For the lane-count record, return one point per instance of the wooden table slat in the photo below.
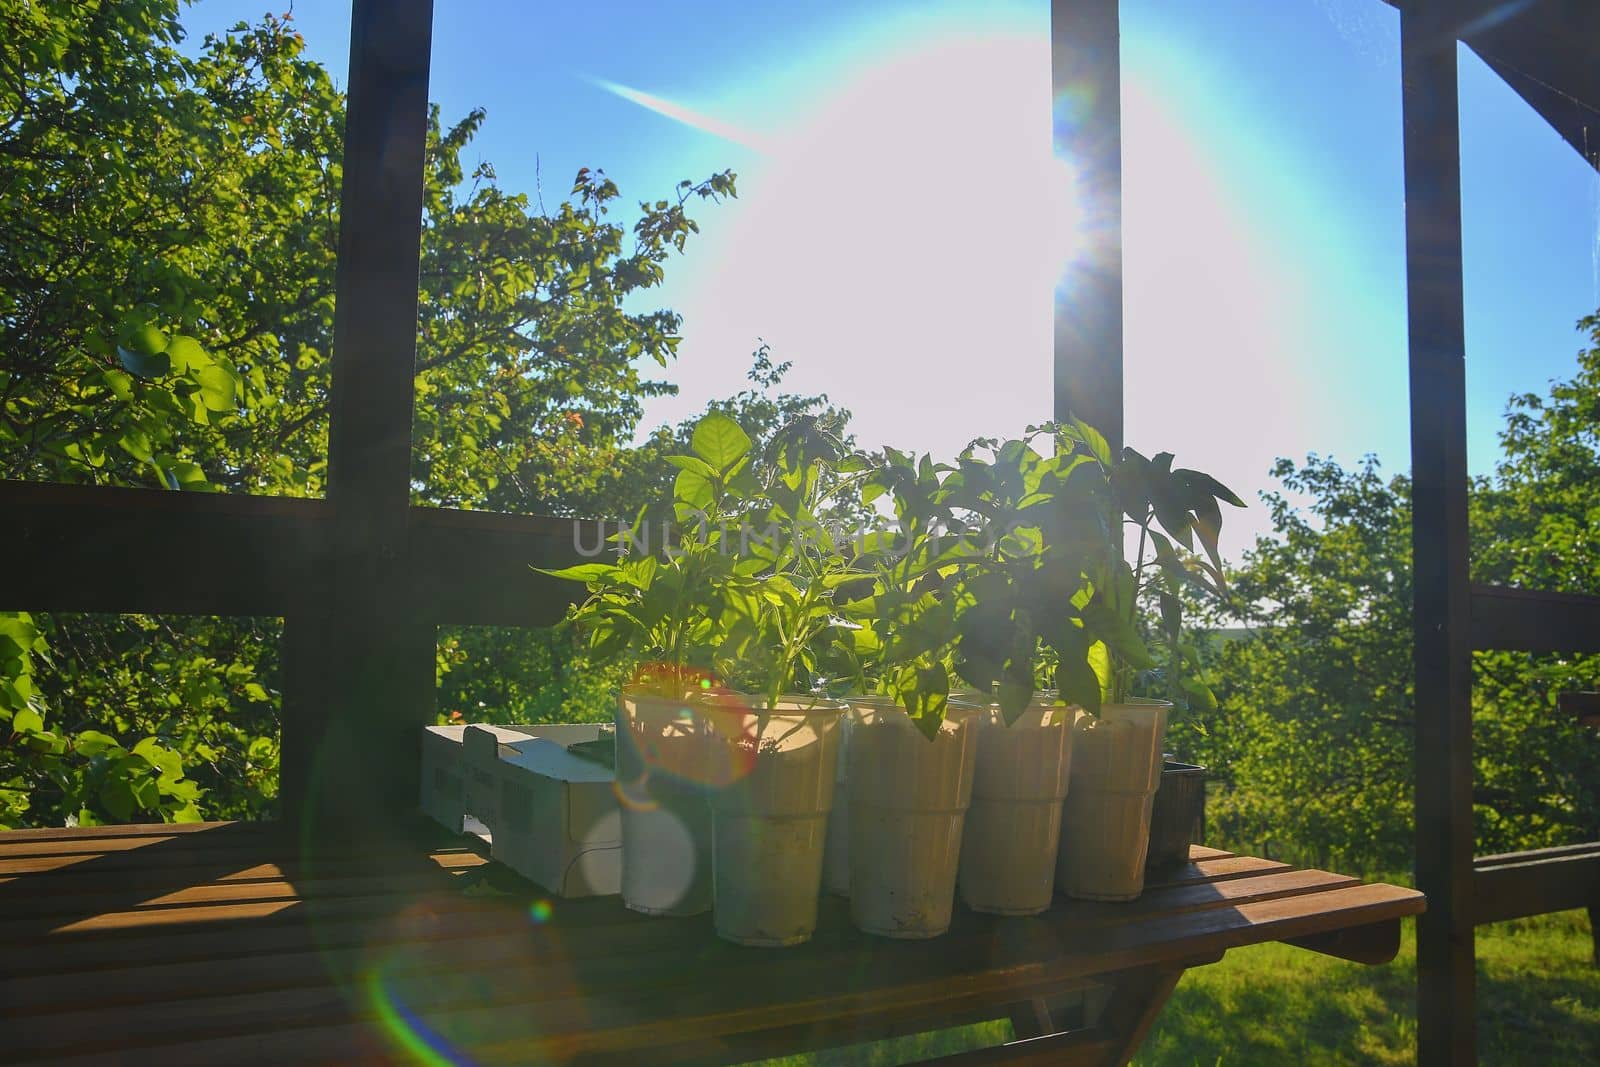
(332, 913)
(69, 875)
(513, 937)
(229, 946)
(598, 1022)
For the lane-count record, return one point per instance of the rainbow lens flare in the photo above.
(410, 1034)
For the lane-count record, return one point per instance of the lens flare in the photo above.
(633, 795)
(540, 911)
(417, 1039)
(677, 725)
(693, 119)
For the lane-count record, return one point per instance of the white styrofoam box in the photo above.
(480, 784)
(443, 768)
(558, 821)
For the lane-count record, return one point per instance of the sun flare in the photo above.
(902, 233)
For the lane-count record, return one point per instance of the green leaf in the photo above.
(693, 463)
(582, 572)
(116, 796)
(143, 338)
(145, 366)
(158, 756)
(146, 793)
(1210, 485)
(137, 444)
(255, 692)
(183, 474)
(720, 441)
(120, 383)
(1203, 697)
(1171, 615)
(1094, 441)
(93, 743)
(218, 387)
(693, 495)
(186, 354)
(1100, 662)
(1077, 680)
(1013, 695)
(1117, 632)
(27, 721)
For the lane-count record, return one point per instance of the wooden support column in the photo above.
(1086, 85)
(1446, 1005)
(358, 666)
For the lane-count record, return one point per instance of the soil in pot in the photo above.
(908, 805)
(770, 825)
(1013, 827)
(1105, 823)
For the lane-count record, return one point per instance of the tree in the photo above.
(169, 227)
(1314, 739)
(1312, 733)
(1538, 775)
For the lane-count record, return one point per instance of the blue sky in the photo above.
(900, 215)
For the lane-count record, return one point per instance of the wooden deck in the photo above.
(221, 943)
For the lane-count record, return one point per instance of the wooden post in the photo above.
(1446, 1004)
(1086, 84)
(358, 668)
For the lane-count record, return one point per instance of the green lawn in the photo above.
(1538, 1003)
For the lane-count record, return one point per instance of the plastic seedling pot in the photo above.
(770, 823)
(665, 767)
(908, 805)
(1008, 851)
(1105, 824)
(1176, 816)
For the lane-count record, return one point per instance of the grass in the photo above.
(1538, 1002)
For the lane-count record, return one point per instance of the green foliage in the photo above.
(1038, 586)
(512, 675)
(1266, 1005)
(1538, 1003)
(903, 642)
(170, 226)
(1315, 741)
(1315, 749)
(81, 775)
(740, 591)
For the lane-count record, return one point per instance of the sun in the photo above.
(900, 241)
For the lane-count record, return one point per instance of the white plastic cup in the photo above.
(1013, 830)
(1105, 824)
(908, 805)
(770, 826)
(662, 775)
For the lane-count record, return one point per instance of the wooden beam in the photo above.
(476, 568)
(1520, 884)
(1086, 84)
(93, 548)
(1527, 620)
(101, 549)
(1135, 1005)
(1446, 1007)
(1372, 944)
(358, 668)
(1583, 707)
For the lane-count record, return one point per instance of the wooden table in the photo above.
(223, 944)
